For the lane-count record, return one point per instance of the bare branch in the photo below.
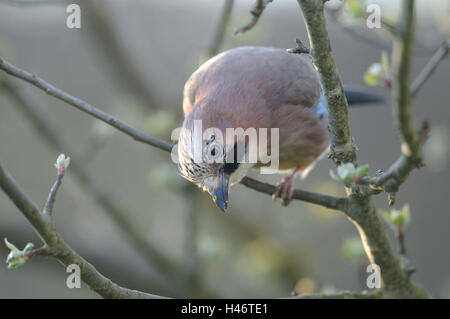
(337, 203)
(48, 208)
(402, 109)
(256, 12)
(396, 175)
(41, 251)
(83, 106)
(430, 67)
(59, 248)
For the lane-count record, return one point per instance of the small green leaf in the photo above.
(10, 246)
(362, 170)
(347, 172)
(371, 80)
(374, 74)
(17, 257)
(29, 247)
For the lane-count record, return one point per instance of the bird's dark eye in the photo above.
(231, 167)
(214, 151)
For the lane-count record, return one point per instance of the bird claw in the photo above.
(284, 190)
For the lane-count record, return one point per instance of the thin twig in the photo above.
(411, 140)
(338, 203)
(48, 208)
(41, 251)
(256, 12)
(430, 67)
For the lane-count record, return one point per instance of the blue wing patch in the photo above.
(321, 109)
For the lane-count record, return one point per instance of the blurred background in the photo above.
(122, 204)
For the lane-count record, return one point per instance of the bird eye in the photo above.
(213, 153)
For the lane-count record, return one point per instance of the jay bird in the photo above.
(255, 87)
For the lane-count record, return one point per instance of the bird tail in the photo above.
(357, 97)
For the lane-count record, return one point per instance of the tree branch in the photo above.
(430, 67)
(337, 203)
(59, 248)
(360, 209)
(83, 106)
(48, 208)
(402, 108)
(343, 149)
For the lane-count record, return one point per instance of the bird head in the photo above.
(215, 170)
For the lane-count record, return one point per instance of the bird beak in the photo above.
(220, 194)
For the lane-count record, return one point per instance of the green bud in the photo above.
(17, 257)
(62, 162)
(362, 170)
(347, 172)
(374, 74)
(379, 71)
(397, 218)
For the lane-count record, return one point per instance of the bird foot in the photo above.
(285, 188)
